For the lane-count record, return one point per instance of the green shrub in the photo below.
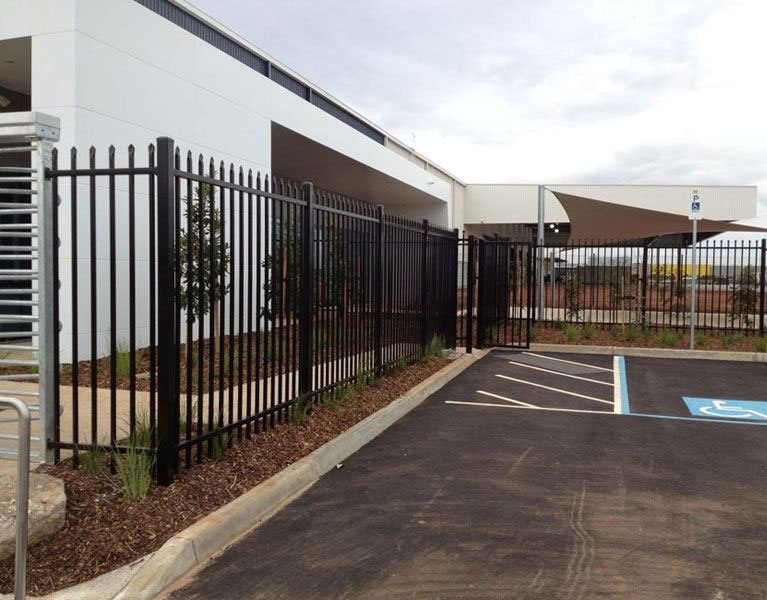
(91, 459)
(559, 325)
(182, 417)
(301, 408)
(396, 367)
(218, 443)
(336, 398)
(729, 341)
(615, 330)
(761, 344)
(122, 358)
(134, 468)
(700, 339)
(142, 431)
(668, 338)
(571, 333)
(361, 378)
(434, 347)
(631, 333)
(589, 331)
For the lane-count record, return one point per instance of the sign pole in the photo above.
(694, 216)
(541, 230)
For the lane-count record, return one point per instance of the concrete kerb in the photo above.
(213, 533)
(651, 352)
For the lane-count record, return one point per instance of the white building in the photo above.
(119, 72)
(127, 71)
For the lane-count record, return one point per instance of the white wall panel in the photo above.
(20, 18)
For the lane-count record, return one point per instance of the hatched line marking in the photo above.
(567, 410)
(507, 399)
(511, 362)
(553, 389)
(571, 362)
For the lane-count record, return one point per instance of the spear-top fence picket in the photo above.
(248, 298)
(204, 303)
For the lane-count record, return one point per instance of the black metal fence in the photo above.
(647, 286)
(494, 294)
(203, 303)
(650, 286)
(217, 301)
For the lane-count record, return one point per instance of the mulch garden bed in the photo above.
(617, 336)
(277, 354)
(105, 530)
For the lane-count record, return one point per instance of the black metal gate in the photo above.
(505, 293)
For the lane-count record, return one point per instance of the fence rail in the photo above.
(650, 286)
(647, 286)
(203, 303)
(247, 298)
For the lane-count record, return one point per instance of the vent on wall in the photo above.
(199, 28)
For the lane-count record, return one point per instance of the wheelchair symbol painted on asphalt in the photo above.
(728, 409)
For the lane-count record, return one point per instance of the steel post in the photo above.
(167, 399)
(470, 276)
(762, 273)
(306, 315)
(378, 283)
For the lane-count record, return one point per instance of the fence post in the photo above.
(377, 323)
(644, 287)
(762, 273)
(470, 297)
(167, 401)
(481, 300)
(424, 285)
(48, 281)
(305, 347)
(452, 321)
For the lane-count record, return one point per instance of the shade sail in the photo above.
(592, 220)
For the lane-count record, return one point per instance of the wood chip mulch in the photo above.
(707, 340)
(104, 530)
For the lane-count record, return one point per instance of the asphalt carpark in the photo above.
(522, 479)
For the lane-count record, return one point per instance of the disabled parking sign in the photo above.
(744, 410)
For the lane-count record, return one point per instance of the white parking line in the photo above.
(616, 386)
(507, 399)
(567, 410)
(553, 389)
(511, 362)
(571, 362)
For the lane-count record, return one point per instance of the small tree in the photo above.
(283, 279)
(200, 278)
(743, 297)
(573, 295)
(286, 260)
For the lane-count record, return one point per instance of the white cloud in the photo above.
(658, 91)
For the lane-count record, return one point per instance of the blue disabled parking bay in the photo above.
(741, 410)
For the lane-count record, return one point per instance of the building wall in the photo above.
(517, 203)
(117, 73)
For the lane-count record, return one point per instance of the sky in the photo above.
(546, 91)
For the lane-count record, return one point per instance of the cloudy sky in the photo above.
(555, 91)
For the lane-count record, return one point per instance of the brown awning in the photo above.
(592, 220)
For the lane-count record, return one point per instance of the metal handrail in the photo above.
(22, 494)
